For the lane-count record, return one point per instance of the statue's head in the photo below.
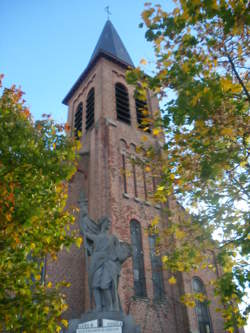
(104, 223)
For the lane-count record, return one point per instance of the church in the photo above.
(106, 117)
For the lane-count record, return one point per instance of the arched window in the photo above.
(141, 114)
(90, 109)
(78, 120)
(201, 308)
(122, 103)
(156, 264)
(138, 259)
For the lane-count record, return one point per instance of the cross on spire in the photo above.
(108, 11)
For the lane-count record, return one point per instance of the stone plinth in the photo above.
(103, 322)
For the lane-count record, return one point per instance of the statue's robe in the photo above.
(105, 265)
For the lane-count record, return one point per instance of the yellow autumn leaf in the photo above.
(143, 62)
(243, 163)
(191, 304)
(32, 246)
(46, 309)
(194, 100)
(227, 131)
(199, 123)
(226, 84)
(214, 4)
(179, 234)
(236, 88)
(180, 266)
(49, 285)
(144, 138)
(172, 176)
(64, 322)
(156, 131)
(8, 217)
(185, 67)
(79, 242)
(172, 280)
(200, 297)
(58, 329)
(147, 169)
(160, 188)
(164, 259)
(155, 221)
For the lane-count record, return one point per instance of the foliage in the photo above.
(36, 160)
(201, 78)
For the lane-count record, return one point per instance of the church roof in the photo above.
(109, 46)
(111, 43)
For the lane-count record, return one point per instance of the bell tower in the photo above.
(107, 119)
(92, 109)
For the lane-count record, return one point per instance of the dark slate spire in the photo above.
(109, 46)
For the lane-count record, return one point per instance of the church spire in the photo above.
(109, 46)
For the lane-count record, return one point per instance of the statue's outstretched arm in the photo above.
(85, 227)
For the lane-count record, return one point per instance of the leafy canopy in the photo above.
(201, 50)
(36, 160)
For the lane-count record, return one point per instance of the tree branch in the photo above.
(237, 75)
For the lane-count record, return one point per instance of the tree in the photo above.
(201, 50)
(36, 160)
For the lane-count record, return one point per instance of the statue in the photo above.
(107, 256)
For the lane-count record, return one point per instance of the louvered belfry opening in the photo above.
(78, 120)
(141, 110)
(122, 103)
(90, 109)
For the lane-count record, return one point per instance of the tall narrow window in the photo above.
(154, 183)
(133, 167)
(124, 173)
(78, 120)
(122, 103)
(43, 271)
(134, 178)
(90, 109)
(156, 264)
(138, 259)
(145, 185)
(201, 308)
(141, 114)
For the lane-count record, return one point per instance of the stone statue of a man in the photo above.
(107, 255)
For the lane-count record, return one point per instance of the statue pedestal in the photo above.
(103, 322)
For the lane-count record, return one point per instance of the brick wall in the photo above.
(100, 177)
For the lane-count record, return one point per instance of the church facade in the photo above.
(104, 113)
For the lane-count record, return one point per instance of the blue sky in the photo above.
(46, 44)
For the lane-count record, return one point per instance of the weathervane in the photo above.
(108, 12)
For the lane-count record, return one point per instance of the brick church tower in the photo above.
(101, 105)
